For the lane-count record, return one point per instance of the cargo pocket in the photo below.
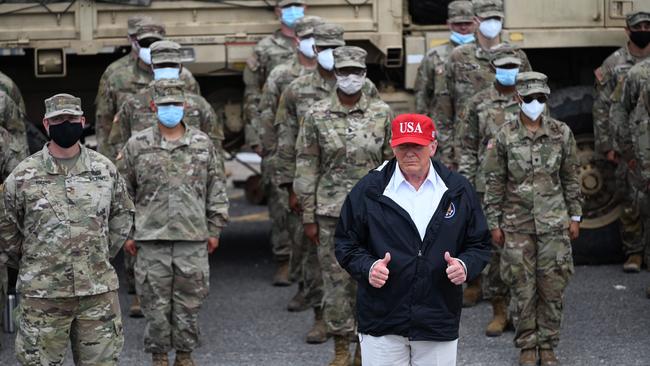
(27, 339)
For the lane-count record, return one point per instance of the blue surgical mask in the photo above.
(507, 77)
(166, 73)
(459, 39)
(145, 55)
(170, 115)
(291, 14)
(326, 59)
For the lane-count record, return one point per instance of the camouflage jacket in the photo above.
(12, 119)
(624, 100)
(179, 187)
(335, 148)
(123, 62)
(65, 228)
(478, 123)
(295, 102)
(532, 178)
(269, 52)
(430, 76)
(639, 175)
(9, 158)
(612, 72)
(8, 86)
(136, 114)
(122, 83)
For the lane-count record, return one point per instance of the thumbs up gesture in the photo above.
(455, 270)
(379, 272)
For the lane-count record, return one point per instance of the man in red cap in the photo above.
(411, 233)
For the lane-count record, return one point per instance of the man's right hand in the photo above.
(293, 203)
(379, 272)
(130, 247)
(612, 156)
(497, 237)
(311, 231)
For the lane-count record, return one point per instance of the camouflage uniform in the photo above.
(12, 119)
(336, 147)
(63, 224)
(9, 86)
(180, 200)
(532, 191)
(478, 122)
(430, 76)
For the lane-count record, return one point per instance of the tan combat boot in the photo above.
(357, 356)
(159, 359)
(281, 277)
(528, 357)
(183, 359)
(633, 264)
(318, 332)
(297, 303)
(547, 357)
(500, 317)
(472, 293)
(135, 311)
(341, 351)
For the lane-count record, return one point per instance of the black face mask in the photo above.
(640, 38)
(66, 134)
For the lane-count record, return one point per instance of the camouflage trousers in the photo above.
(129, 271)
(172, 280)
(93, 324)
(4, 287)
(631, 228)
(339, 289)
(537, 267)
(305, 267)
(278, 203)
(491, 283)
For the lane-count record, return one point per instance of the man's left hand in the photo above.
(213, 244)
(455, 270)
(574, 230)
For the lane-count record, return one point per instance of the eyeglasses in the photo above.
(345, 71)
(147, 42)
(540, 98)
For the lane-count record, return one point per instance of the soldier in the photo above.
(533, 208)
(431, 71)
(12, 119)
(618, 84)
(67, 213)
(478, 122)
(176, 177)
(268, 53)
(130, 80)
(341, 138)
(467, 72)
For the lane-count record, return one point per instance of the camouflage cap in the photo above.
(305, 25)
(349, 56)
(328, 35)
(460, 11)
(134, 21)
(165, 52)
(149, 29)
(62, 104)
(637, 17)
(488, 8)
(532, 82)
(283, 3)
(168, 91)
(505, 54)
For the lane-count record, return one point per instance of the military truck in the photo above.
(55, 46)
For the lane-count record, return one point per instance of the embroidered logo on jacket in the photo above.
(451, 211)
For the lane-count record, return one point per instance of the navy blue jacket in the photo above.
(418, 301)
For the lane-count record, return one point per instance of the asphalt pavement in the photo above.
(244, 321)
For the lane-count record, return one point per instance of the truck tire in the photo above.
(427, 12)
(599, 240)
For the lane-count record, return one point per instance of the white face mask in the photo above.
(533, 109)
(326, 59)
(306, 47)
(350, 84)
(490, 28)
(145, 55)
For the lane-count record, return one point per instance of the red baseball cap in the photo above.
(412, 128)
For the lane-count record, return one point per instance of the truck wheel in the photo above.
(599, 240)
(426, 12)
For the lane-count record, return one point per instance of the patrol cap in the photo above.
(283, 3)
(412, 128)
(134, 21)
(505, 54)
(488, 8)
(168, 91)
(460, 11)
(349, 56)
(165, 52)
(532, 82)
(637, 17)
(305, 25)
(62, 104)
(149, 29)
(328, 35)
